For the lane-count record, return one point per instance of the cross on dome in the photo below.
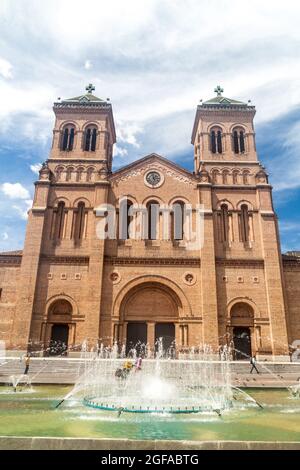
(90, 88)
(219, 90)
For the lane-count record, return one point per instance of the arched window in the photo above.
(224, 223)
(213, 146)
(235, 177)
(153, 219)
(177, 225)
(67, 141)
(79, 222)
(246, 177)
(242, 142)
(129, 219)
(244, 223)
(215, 174)
(238, 141)
(58, 172)
(90, 139)
(89, 174)
(59, 221)
(70, 170)
(79, 173)
(125, 219)
(216, 141)
(225, 175)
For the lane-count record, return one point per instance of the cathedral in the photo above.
(89, 272)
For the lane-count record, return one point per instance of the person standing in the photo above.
(27, 363)
(253, 363)
(138, 363)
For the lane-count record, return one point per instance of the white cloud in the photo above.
(289, 226)
(88, 65)
(286, 165)
(5, 68)
(120, 151)
(154, 59)
(5, 236)
(22, 210)
(127, 132)
(15, 191)
(35, 168)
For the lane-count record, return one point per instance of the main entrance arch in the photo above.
(149, 312)
(58, 330)
(242, 323)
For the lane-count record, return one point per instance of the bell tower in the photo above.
(84, 129)
(62, 221)
(240, 225)
(223, 131)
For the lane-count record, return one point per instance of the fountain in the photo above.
(193, 384)
(18, 380)
(118, 396)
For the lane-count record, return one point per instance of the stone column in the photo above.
(96, 264)
(151, 335)
(208, 271)
(30, 265)
(273, 272)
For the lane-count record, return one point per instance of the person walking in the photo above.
(27, 363)
(253, 363)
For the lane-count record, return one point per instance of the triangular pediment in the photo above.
(84, 99)
(152, 162)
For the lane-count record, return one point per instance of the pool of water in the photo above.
(33, 413)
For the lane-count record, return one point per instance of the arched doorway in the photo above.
(59, 339)
(59, 323)
(242, 343)
(150, 311)
(165, 338)
(136, 337)
(242, 321)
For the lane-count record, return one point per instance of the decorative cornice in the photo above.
(154, 166)
(65, 259)
(77, 183)
(237, 263)
(243, 187)
(291, 263)
(10, 260)
(70, 160)
(94, 107)
(126, 261)
(38, 209)
(231, 162)
(153, 161)
(267, 213)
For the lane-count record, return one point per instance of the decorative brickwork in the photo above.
(67, 277)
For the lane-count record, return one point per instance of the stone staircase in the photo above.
(67, 370)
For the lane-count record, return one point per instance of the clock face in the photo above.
(153, 178)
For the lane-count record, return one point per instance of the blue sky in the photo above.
(155, 60)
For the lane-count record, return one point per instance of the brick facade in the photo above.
(67, 276)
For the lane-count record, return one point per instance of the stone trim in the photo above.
(237, 263)
(10, 260)
(76, 160)
(65, 259)
(126, 261)
(291, 264)
(75, 443)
